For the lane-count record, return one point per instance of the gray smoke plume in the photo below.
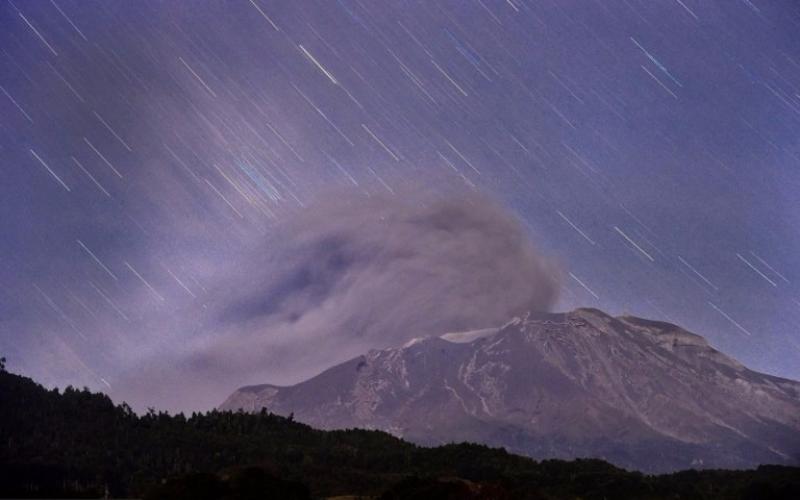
(350, 274)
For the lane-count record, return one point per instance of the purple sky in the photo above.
(160, 159)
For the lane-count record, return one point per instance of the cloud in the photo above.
(350, 273)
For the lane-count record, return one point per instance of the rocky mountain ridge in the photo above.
(641, 394)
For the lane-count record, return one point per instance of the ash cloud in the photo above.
(349, 274)
(384, 270)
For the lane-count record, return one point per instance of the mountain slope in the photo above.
(642, 394)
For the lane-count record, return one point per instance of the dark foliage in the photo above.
(445, 489)
(248, 483)
(78, 444)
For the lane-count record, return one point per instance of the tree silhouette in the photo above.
(75, 444)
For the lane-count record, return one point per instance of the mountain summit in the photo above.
(641, 394)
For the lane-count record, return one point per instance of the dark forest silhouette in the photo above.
(77, 443)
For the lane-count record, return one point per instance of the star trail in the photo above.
(650, 148)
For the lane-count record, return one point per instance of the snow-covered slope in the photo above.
(639, 393)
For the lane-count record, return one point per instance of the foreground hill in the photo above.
(76, 444)
(641, 394)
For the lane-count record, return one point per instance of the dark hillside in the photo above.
(76, 444)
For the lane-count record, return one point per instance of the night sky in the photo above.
(159, 162)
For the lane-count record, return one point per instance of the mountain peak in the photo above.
(642, 394)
